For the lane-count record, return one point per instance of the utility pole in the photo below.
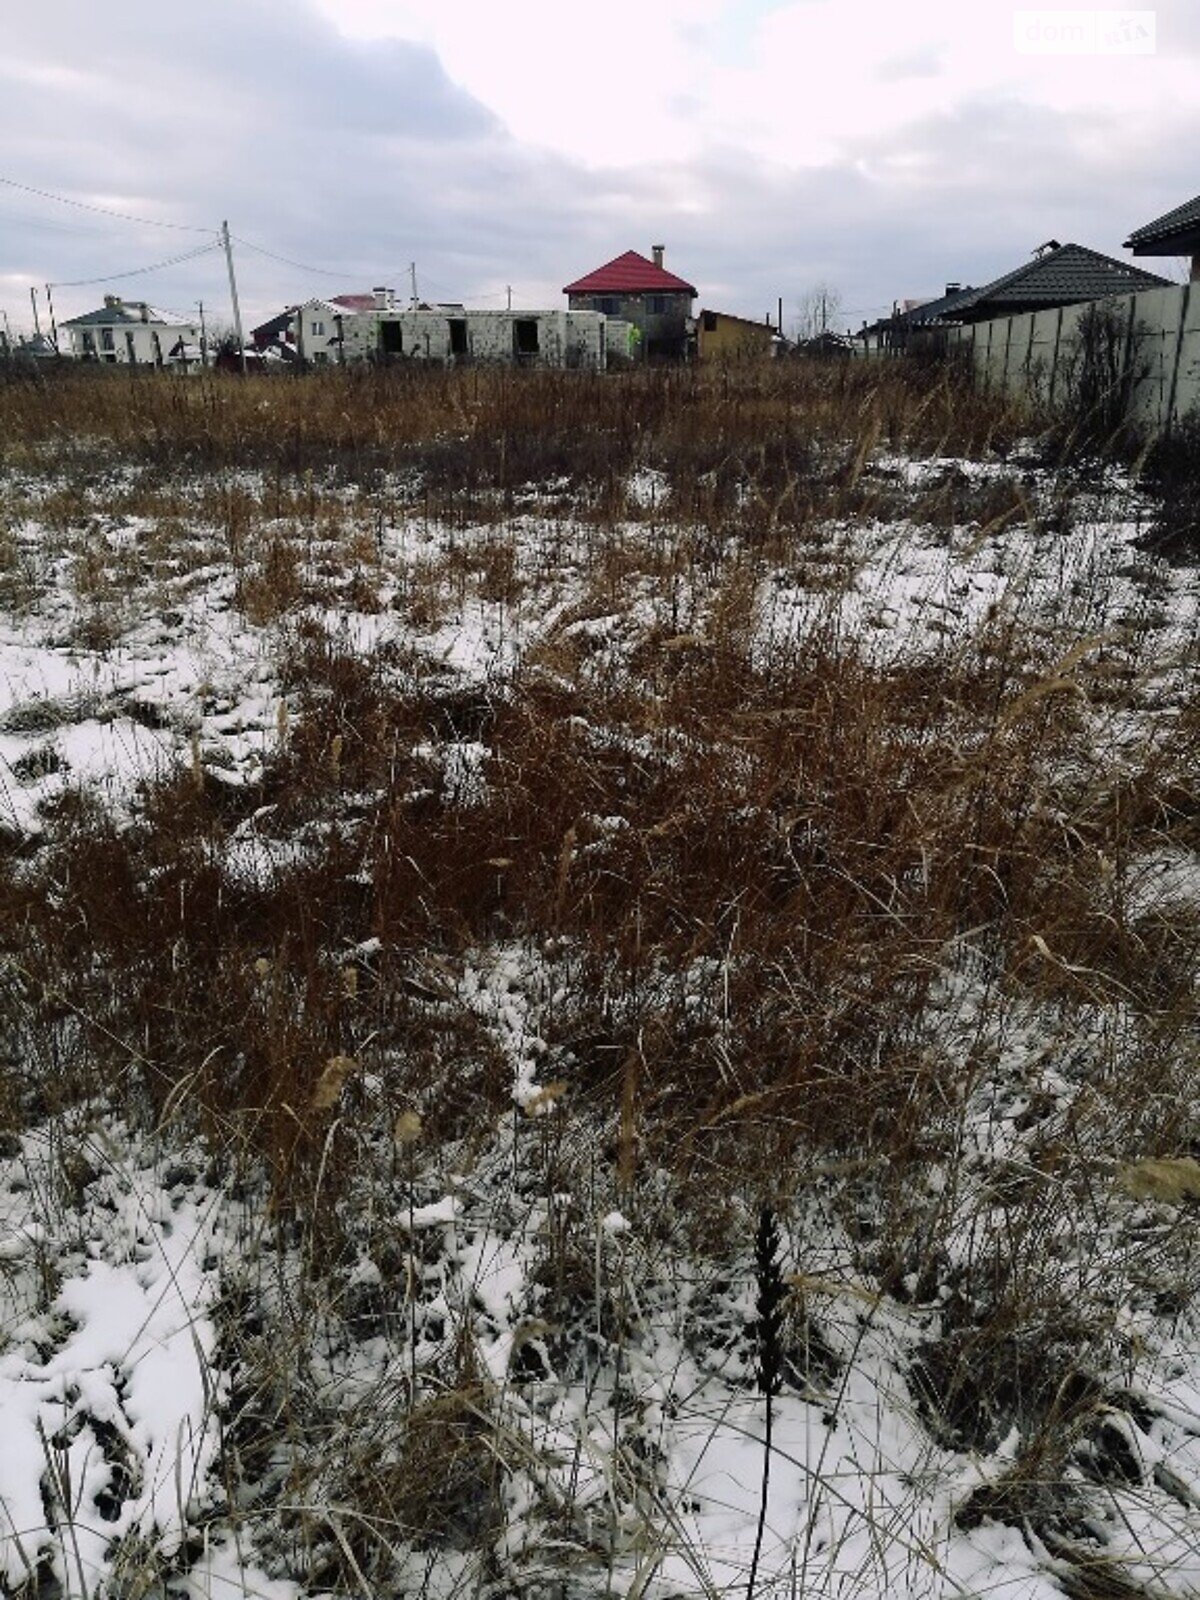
(412, 269)
(53, 324)
(233, 294)
(203, 335)
(37, 326)
(510, 296)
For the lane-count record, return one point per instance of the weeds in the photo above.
(496, 999)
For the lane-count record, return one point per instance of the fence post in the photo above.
(1007, 348)
(1054, 358)
(1184, 306)
(1127, 378)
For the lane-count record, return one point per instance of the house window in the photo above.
(657, 305)
(710, 322)
(525, 338)
(610, 304)
(89, 342)
(391, 338)
(318, 330)
(130, 349)
(106, 339)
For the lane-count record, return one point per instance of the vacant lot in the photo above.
(599, 990)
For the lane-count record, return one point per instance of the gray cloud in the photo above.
(362, 158)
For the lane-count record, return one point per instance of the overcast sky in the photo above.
(769, 144)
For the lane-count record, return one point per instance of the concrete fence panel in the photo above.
(1148, 343)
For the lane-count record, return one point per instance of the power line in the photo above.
(104, 211)
(43, 223)
(137, 272)
(322, 272)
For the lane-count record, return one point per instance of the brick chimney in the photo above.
(112, 302)
(656, 250)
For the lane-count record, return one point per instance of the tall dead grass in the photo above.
(759, 886)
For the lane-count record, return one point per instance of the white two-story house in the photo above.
(133, 333)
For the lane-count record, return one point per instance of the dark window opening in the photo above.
(458, 336)
(106, 338)
(657, 305)
(610, 304)
(391, 338)
(130, 348)
(710, 322)
(525, 337)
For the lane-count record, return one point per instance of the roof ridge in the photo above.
(1189, 211)
(609, 276)
(1039, 265)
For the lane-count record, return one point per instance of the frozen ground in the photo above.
(629, 1435)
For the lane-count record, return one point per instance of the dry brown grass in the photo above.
(753, 881)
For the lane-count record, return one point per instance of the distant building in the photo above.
(1058, 275)
(313, 326)
(720, 336)
(641, 292)
(1177, 233)
(34, 347)
(455, 336)
(132, 333)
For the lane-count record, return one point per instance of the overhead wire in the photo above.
(301, 266)
(104, 211)
(137, 272)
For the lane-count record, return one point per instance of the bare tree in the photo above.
(819, 310)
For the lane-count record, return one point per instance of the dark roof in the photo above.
(1184, 220)
(1066, 276)
(630, 274)
(107, 315)
(944, 306)
(731, 316)
(124, 311)
(266, 331)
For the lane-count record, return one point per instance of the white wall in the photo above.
(564, 338)
(142, 336)
(1035, 354)
(315, 329)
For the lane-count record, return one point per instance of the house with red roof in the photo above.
(642, 292)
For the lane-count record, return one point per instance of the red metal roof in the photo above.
(630, 274)
(355, 302)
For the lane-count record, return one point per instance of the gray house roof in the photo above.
(1175, 233)
(1064, 276)
(934, 310)
(125, 312)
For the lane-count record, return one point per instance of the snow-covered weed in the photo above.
(440, 918)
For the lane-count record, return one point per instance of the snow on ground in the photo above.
(109, 1399)
(181, 667)
(114, 1265)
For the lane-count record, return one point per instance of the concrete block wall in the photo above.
(1037, 354)
(564, 338)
